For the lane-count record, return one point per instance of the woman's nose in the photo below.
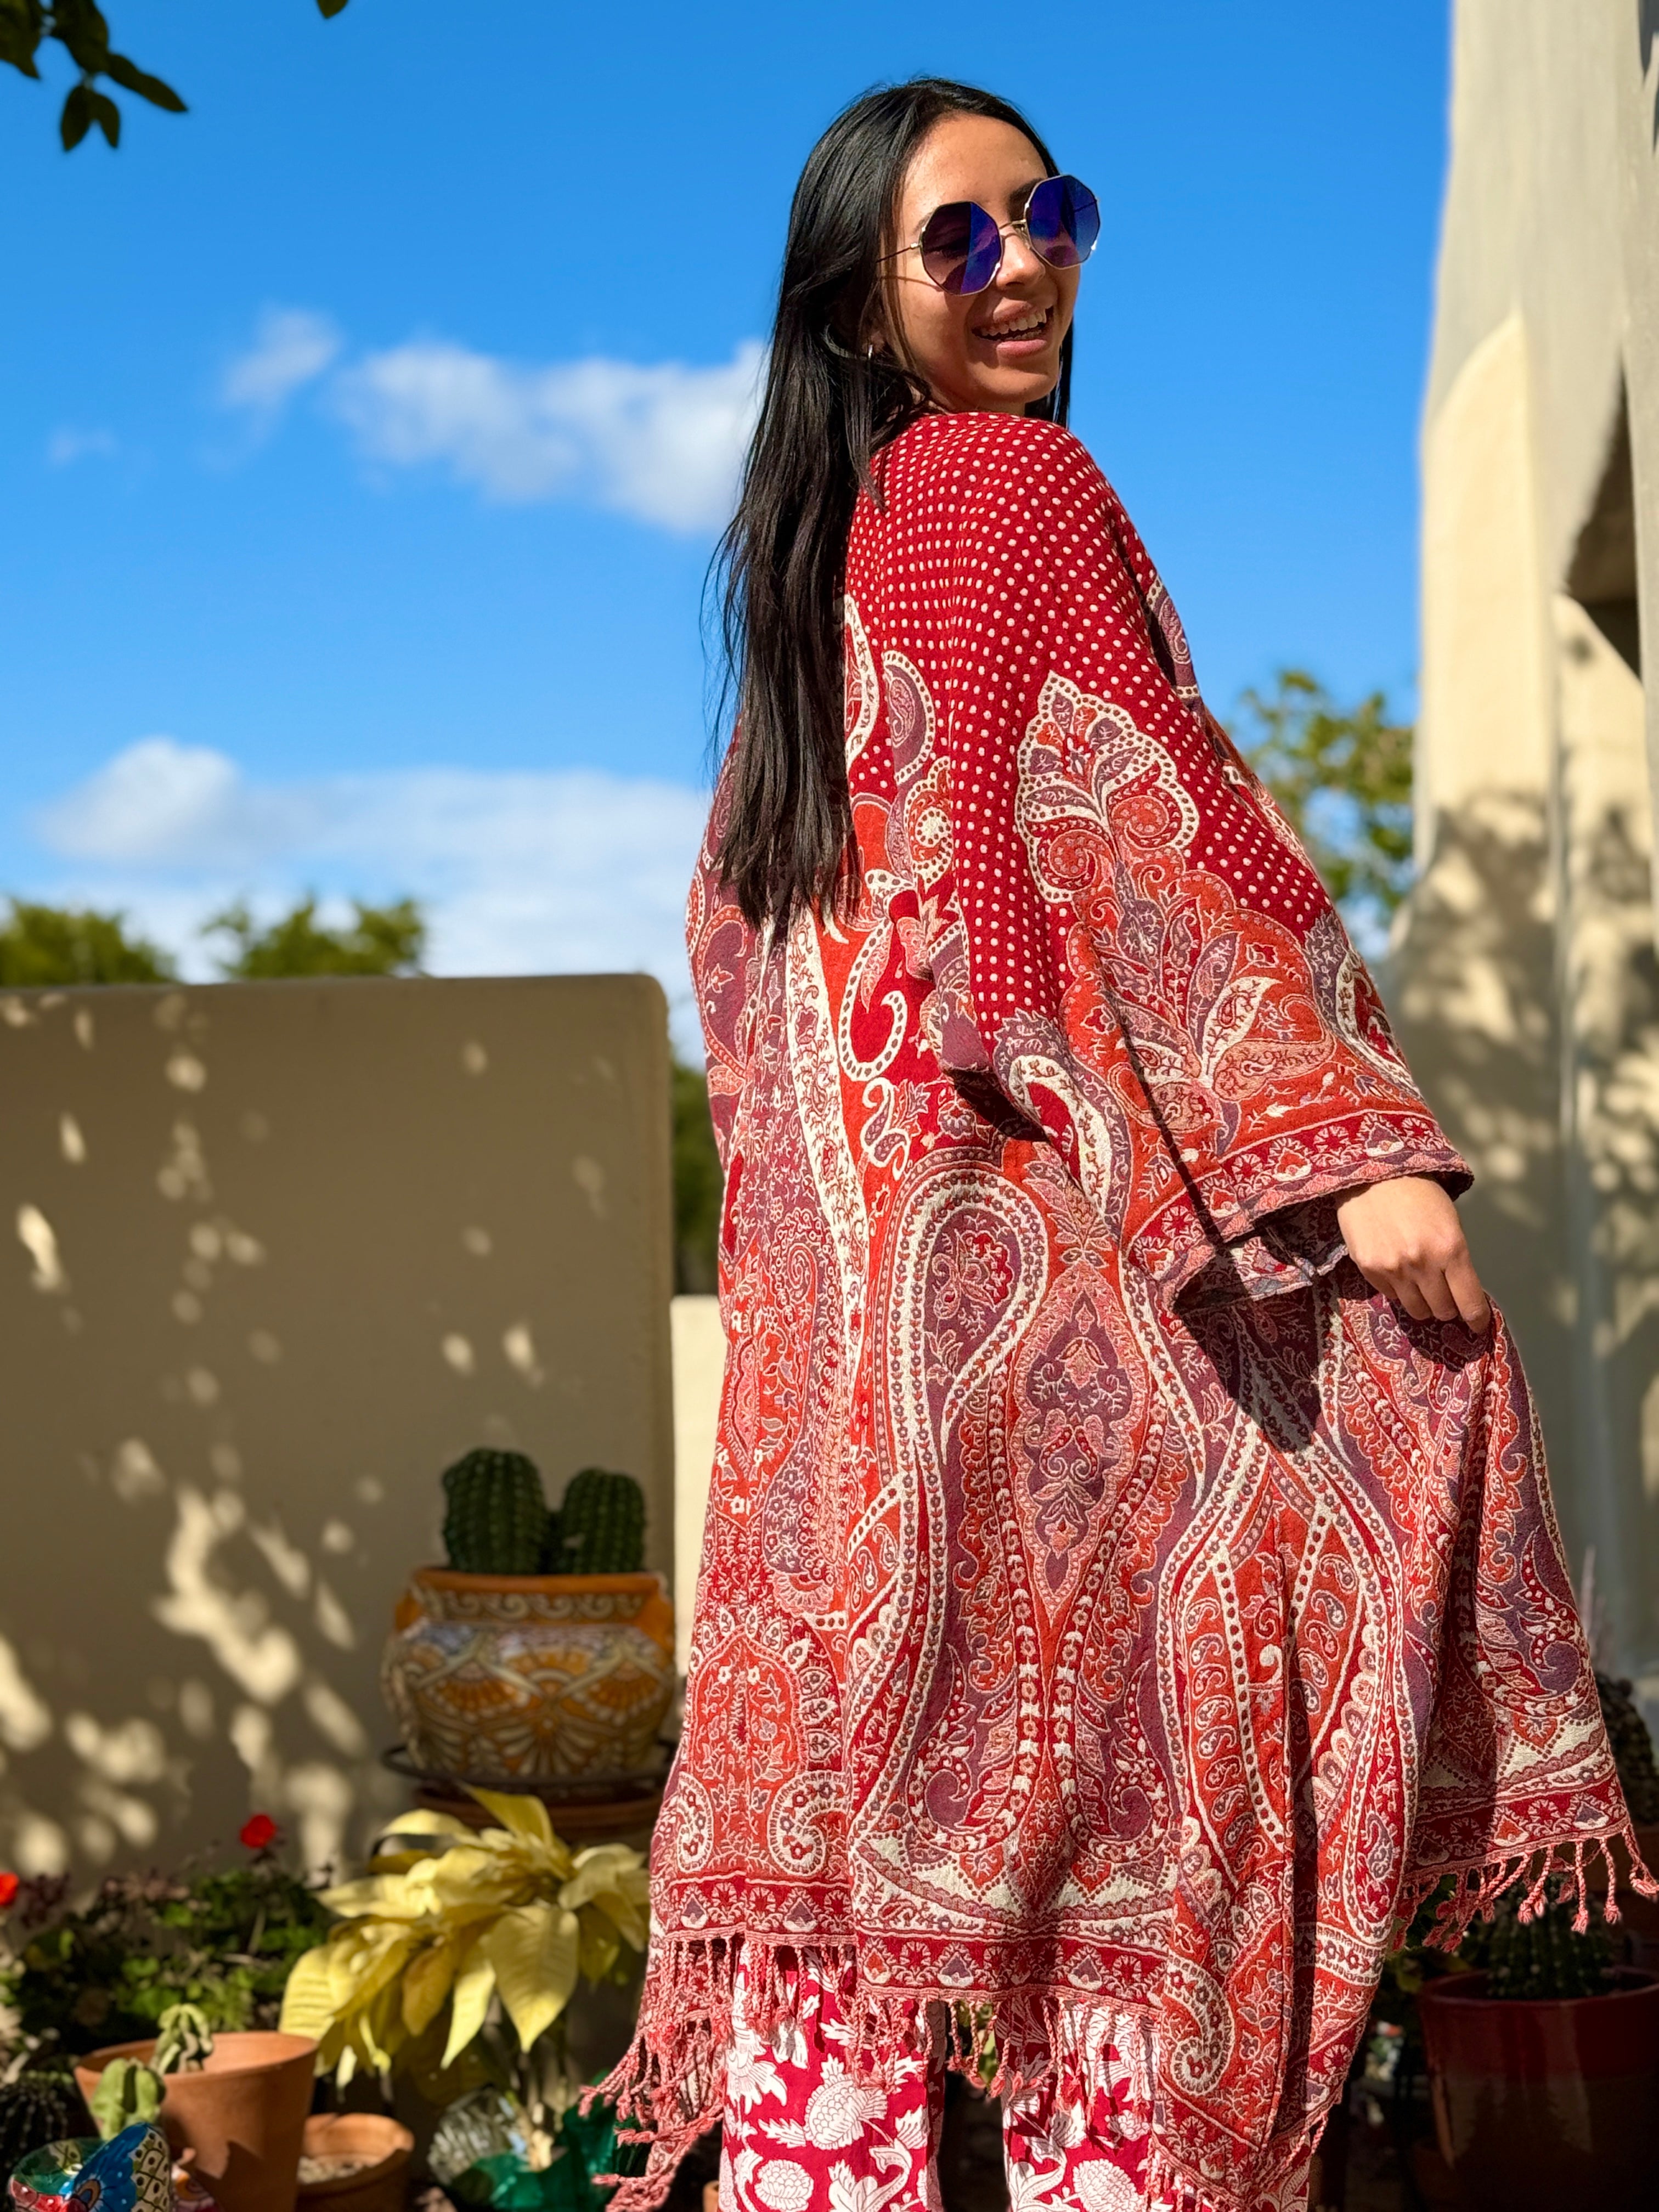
(1019, 264)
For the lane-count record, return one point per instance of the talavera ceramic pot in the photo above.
(531, 1677)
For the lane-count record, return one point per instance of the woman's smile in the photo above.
(1018, 333)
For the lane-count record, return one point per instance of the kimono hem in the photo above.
(1107, 1601)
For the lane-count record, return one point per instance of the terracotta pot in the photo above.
(241, 2117)
(379, 2186)
(528, 1677)
(1541, 2104)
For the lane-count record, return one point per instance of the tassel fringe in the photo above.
(669, 2088)
(1477, 1886)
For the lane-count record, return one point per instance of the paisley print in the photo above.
(1110, 1610)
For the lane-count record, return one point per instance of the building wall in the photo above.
(275, 1255)
(1523, 970)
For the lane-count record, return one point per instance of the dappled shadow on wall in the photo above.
(1528, 1003)
(279, 1254)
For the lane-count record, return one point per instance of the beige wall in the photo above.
(1523, 970)
(275, 1254)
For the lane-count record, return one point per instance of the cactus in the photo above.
(603, 1523)
(496, 1523)
(184, 2041)
(127, 2090)
(1632, 1748)
(1543, 1957)
(35, 2110)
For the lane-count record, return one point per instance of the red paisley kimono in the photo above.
(1107, 1599)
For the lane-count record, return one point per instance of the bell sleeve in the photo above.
(1134, 953)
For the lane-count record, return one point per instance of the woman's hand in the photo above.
(1405, 1239)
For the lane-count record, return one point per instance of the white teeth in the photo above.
(1015, 330)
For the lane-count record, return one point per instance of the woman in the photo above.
(1129, 1583)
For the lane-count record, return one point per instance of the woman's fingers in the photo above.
(1405, 1239)
(1403, 1289)
(1472, 1302)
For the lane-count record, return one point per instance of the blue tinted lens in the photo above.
(1062, 222)
(961, 247)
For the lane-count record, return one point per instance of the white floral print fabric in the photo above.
(803, 2132)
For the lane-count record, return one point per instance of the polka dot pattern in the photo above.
(1116, 910)
(999, 556)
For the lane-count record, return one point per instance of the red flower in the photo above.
(8, 1889)
(259, 1832)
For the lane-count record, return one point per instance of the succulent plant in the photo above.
(184, 2041)
(35, 2110)
(603, 1523)
(1632, 1748)
(496, 1522)
(127, 2090)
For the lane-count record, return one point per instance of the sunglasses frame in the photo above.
(1004, 231)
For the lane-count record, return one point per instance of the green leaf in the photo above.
(1343, 779)
(76, 119)
(20, 28)
(78, 25)
(332, 6)
(133, 79)
(106, 114)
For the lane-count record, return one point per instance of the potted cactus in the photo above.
(232, 2107)
(542, 1650)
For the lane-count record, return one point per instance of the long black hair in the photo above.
(831, 405)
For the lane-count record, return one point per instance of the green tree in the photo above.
(43, 946)
(1343, 776)
(79, 27)
(698, 1184)
(383, 940)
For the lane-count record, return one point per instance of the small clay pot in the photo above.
(379, 2186)
(241, 2115)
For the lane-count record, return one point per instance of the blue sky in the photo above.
(365, 428)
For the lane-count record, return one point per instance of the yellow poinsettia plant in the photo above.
(510, 1912)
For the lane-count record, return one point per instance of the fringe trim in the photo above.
(669, 2087)
(1477, 1885)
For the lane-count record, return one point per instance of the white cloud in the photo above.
(163, 804)
(67, 446)
(569, 871)
(292, 346)
(661, 443)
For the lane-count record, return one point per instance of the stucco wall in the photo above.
(1523, 970)
(275, 1254)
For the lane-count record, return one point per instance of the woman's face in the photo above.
(997, 349)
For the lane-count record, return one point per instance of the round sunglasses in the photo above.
(961, 243)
